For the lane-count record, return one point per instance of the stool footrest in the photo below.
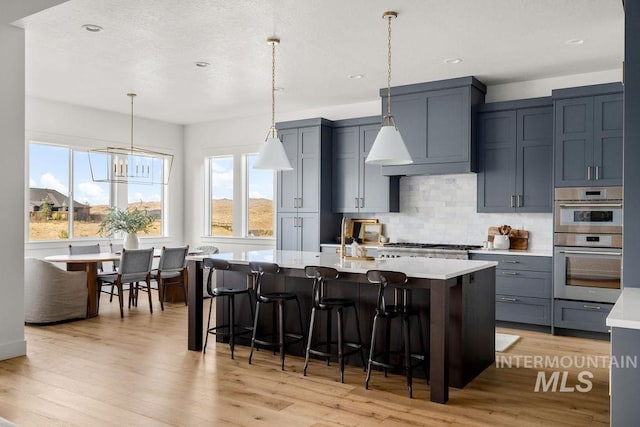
(315, 349)
(375, 360)
(239, 330)
(290, 338)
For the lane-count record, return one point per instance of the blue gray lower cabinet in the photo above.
(523, 288)
(581, 315)
(625, 348)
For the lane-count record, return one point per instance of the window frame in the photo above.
(240, 198)
(118, 193)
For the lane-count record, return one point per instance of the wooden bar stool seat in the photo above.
(401, 309)
(330, 348)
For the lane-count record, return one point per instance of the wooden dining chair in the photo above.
(135, 266)
(172, 271)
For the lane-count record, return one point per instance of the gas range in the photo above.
(425, 250)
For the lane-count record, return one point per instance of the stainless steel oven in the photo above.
(587, 274)
(587, 257)
(588, 210)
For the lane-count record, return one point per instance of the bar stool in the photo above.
(278, 299)
(401, 309)
(320, 302)
(229, 329)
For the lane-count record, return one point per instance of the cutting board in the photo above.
(518, 239)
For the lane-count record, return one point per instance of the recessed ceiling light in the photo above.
(355, 76)
(202, 64)
(452, 61)
(574, 42)
(92, 28)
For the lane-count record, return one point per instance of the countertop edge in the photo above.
(626, 311)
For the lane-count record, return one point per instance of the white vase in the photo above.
(131, 241)
(501, 242)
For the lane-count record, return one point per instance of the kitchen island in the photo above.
(456, 299)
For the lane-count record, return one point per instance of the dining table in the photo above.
(89, 263)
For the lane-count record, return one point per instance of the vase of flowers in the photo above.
(128, 221)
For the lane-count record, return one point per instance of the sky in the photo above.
(260, 183)
(49, 168)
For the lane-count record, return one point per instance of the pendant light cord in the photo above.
(389, 69)
(273, 88)
(131, 95)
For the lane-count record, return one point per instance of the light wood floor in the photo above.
(137, 371)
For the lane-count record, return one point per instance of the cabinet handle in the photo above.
(519, 200)
(592, 307)
(356, 202)
(506, 261)
(511, 198)
(597, 173)
(509, 299)
(299, 222)
(295, 221)
(510, 273)
(300, 202)
(295, 202)
(588, 173)
(362, 202)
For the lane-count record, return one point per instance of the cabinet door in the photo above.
(345, 195)
(287, 180)
(534, 160)
(309, 169)
(448, 126)
(574, 142)
(496, 180)
(607, 142)
(374, 187)
(288, 236)
(309, 232)
(409, 112)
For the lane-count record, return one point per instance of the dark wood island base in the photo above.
(459, 312)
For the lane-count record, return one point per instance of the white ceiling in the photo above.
(150, 46)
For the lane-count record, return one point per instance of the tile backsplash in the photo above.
(442, 209)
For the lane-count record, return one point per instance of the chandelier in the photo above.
(130, 165)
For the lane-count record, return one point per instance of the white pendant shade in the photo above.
(272, 156)
(388, 148)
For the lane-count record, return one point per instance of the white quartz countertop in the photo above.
(422, 268)
(626, 312)
(528, 252)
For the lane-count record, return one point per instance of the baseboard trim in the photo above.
(10, 350)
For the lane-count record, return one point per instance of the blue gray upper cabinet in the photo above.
(588, 135)
(304, 194)
(435, 122)
(515, 156)
(358, 186)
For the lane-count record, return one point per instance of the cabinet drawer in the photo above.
(586, 316)
(523, 283)
(511, 308)
(517, 262)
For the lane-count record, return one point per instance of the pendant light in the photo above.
(272, 154)
(130, 165)
(388, 147)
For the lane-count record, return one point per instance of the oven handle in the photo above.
(591, 253)
(591, 205)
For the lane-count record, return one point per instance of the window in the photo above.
(148, 198)
(48, 192)
(221, 184)
(259, 200)
(245, 209)
(64, 202)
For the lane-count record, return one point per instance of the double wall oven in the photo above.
(588, 243)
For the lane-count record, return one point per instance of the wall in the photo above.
(428, 203)
(83, 127)
(12, 341)
(442, 209)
